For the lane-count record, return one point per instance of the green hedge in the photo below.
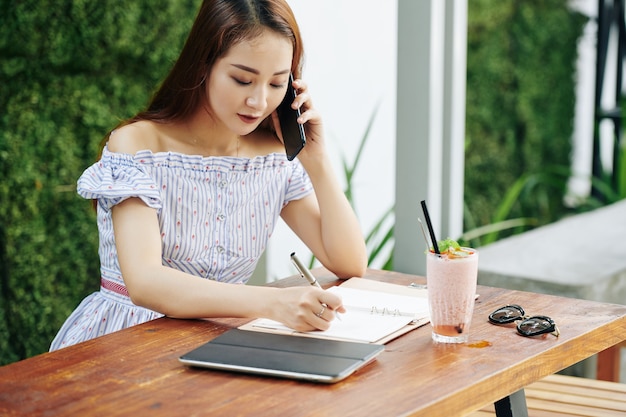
(70, 70)
(520, 106)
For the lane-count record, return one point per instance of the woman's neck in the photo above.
(200, 134)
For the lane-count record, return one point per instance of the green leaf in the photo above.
(448, 244)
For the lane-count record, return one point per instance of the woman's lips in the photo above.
(248, 119)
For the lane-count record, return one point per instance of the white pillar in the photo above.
(432, 36)
(454, 118)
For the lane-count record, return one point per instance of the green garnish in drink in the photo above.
(452, 248)
(447, 245)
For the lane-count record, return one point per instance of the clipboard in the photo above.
(378, 312)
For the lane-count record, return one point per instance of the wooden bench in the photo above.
(561, 395)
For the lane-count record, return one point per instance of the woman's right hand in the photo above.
(306, 308)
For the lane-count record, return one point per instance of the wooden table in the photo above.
(136, 372)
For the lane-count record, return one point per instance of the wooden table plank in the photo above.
(136, 371)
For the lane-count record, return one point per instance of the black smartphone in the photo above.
(293, 132)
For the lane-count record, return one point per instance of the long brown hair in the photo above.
(219, 25)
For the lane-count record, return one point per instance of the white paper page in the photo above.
(356, 325)
(363, 299)
(359, 323)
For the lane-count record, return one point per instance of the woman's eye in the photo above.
(241, 82)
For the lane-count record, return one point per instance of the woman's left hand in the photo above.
(310, 118)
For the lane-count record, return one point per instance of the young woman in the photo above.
(189, 190)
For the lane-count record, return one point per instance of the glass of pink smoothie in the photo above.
(451, 281)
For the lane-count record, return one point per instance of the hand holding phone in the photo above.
(294, 138)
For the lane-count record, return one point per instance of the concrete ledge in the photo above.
(583, 256)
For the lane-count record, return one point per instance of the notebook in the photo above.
(377, 312)
(284, 356)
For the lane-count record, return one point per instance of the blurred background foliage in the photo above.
(72, 69)
(520, 109)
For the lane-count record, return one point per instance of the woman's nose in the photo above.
(258, 100)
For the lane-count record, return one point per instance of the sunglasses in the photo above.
(528, 326)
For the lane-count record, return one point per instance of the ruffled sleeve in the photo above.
(115, 178)
(299, 184)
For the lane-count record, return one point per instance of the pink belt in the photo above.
(114, 286)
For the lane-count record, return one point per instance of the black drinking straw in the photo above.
(430, 227)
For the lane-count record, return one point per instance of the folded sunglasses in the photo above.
(528, 325)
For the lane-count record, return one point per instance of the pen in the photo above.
(305, 273)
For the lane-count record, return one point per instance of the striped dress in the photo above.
(215, 214)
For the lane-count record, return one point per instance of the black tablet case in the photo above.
(284, 356)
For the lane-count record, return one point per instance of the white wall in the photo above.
(350, 66)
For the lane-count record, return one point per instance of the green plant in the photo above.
(380, 238)
(608, 192)
(380, 241)
(610, 187)
(537, 187)
(520, 106)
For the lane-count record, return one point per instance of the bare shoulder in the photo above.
(134, 137)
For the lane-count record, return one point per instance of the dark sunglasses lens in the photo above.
(535, 326)
(506, 314)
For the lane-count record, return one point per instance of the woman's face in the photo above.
(249, 82)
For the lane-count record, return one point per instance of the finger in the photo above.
(302, 102)
(332, 304)
(303, 98)
(299, 85)
(309, 115)
(321, 318)
(323, 309)
(328, 314)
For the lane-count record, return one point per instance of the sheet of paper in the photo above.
(369, 300)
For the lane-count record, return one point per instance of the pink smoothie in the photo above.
(451, 285)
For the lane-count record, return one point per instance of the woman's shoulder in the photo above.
(156, 137)
(133, 137)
